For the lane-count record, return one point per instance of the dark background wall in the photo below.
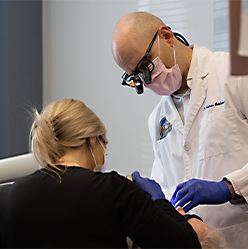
(20, 72)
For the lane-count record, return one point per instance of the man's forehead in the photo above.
(127, 54)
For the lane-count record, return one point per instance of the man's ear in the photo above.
(165, 33)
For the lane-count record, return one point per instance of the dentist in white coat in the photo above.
(199, 129)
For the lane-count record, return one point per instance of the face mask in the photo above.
(99, 167)
(165, 81)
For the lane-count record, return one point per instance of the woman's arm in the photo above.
(150, 224)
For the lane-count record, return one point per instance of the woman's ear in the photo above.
(92, 141)
(165, 33)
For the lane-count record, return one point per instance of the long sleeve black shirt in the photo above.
(87, 210)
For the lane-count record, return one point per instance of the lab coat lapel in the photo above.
(197, 98)
(172, 114)
(197, 80)
(198, 91)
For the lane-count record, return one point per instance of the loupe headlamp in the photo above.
(143, 70)
(137, 79)
(133, 80)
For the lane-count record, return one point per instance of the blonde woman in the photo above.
(66, 203)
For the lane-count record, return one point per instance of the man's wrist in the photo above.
(230, 187)
(236, 198)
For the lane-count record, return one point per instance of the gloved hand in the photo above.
(195, 192)
(150, 186)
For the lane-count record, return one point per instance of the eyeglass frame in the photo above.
(134, 77)
(137, 82)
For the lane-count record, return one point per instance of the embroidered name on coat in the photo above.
(213, 105)
(165, 127)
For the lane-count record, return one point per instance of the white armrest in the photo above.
(17, 166)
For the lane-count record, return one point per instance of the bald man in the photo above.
(199, 129)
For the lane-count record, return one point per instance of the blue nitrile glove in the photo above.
(150, 186)
(195, 192)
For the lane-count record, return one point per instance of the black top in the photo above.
(87, 210)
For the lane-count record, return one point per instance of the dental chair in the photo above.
(14, 167)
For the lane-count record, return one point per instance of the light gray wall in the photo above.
(78, 63)
(201, 22)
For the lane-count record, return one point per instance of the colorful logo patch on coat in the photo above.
(165, 127)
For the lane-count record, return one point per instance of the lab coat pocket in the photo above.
(161, 146)
(171, 148)
(218, 134)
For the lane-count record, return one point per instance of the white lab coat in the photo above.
(213, 142)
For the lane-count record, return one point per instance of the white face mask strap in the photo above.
(175, 60)
(93, 155)
(101, 144)
(103, 148)
(158, 46)
(174, 52)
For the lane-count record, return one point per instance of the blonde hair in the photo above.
(62, 125)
